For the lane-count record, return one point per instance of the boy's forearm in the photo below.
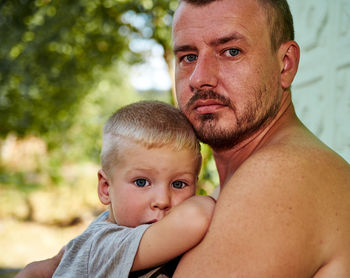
(194, 213)
(179, 231)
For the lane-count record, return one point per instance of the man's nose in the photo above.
(204, 75)
(161, 199)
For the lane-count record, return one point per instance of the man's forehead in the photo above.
(216, 10)
(217, 21)
(215, 41)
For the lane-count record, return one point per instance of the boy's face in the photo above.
(147, 183)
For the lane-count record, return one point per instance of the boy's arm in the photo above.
(179, 231)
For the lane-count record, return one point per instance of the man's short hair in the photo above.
(278, 16)
(149, 123)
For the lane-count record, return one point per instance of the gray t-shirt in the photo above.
(105, 249)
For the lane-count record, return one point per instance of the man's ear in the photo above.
(289, 55)
(102, 188)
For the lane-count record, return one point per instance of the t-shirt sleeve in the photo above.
(103, 250)
(113, 252)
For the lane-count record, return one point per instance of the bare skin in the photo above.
(41, 269)
(284, 208)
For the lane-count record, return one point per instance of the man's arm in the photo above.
(41, 269)
(179, 231)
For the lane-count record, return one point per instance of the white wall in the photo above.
(321, 90)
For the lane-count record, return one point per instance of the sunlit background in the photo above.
(65, 66)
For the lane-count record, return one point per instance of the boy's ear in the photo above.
(289, 55)
(102, 188)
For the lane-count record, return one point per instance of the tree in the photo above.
(52, 53)
(59, 61)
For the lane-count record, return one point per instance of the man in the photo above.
(284, 208)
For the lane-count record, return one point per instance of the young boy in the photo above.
(150, 165)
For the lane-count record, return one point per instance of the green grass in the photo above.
(8, 273)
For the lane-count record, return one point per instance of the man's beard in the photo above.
(247, 124)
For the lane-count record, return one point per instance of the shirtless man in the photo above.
(284, 206)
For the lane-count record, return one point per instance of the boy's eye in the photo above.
(178, 184)
(190, 58)
(141, 182)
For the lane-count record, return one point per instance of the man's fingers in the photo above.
(41, 269)
(59, 255)
(52, 263)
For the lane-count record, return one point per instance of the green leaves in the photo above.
(53, 52)
(64, 68)
(49, 52)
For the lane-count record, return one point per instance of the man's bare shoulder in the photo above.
(304, 159)
(308, 175)
(278, 215)
(301, 192)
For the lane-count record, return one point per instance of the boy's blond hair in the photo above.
(152, 124)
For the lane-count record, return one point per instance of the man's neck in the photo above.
(228, 161)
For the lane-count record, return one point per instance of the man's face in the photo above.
(227, 76)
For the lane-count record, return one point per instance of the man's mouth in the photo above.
(207, 102)
(207, 106)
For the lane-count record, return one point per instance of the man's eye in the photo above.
(178, 184)
(141, 182)
(232, 52)
(190, 58)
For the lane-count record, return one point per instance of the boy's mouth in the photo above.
(152, 221)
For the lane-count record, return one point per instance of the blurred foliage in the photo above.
(9, 274)
(64, 69)
(53, 52)
(208, 177)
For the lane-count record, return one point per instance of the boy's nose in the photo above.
(161, 199)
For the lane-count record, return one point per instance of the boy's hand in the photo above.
(41, 269)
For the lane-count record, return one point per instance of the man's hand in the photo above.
(41, 269)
